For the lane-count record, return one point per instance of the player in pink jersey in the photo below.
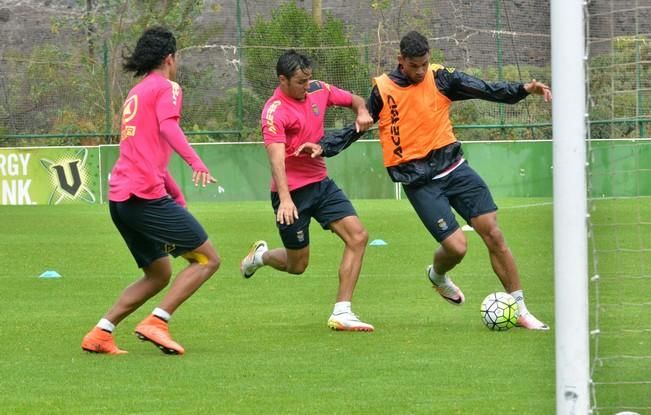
(300, 187)
(147, 205)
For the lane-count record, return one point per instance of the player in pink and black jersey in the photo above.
(300, 187)
(146, 204)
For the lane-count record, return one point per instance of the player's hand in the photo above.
(202, 178)
(538, 88)
(287, 212)
(364, 121)
(313, 149)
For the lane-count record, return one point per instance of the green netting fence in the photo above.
(63, 84)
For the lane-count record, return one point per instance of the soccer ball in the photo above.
(499, 311)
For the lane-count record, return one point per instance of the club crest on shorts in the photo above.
(442, 224)
(300, 236)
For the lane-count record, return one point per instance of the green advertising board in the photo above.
(55, 175)
(49, 175)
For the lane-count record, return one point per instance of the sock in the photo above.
(257, 258)
(436, 278)
(342, 307)
(519, 298)
(161, 314)
(106, 325)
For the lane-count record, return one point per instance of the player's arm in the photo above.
(364, 120)
(287, 211)
(334, 142)
(458, 86)
(173, 190)
(273, 133)
(172, 133)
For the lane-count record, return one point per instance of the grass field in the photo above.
(261, 346)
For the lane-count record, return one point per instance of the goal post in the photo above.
(570, 207)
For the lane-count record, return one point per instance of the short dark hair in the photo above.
(290, 61)
(151, 49)
(413, 45)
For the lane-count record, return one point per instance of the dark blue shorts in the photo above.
(156, 228)
(463, 189)
(323, 201)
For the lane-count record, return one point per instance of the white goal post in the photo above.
(570, 207)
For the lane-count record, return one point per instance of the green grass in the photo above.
(620, 303)
(261, 346)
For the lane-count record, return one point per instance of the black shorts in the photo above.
(323, 201)
(156, 228)
(463, 189)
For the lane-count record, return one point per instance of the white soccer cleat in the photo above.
(529, 321)
(248, 267)
(449, 291)
(348, 322)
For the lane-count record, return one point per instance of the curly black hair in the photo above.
(413, 45)
(151, 49)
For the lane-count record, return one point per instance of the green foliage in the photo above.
(532, 110)
(335, 59)
(620, 85)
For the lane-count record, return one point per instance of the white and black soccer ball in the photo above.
(499, 311)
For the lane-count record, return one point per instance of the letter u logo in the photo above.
(70, 188)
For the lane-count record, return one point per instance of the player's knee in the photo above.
(159, 277)
(213, 264)
(495, 240)
(159, 271)
(210, 261)
(359, 239)
(458, 249)
(297, 268)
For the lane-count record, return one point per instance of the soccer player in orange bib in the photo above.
(146, 204)
(411, 104)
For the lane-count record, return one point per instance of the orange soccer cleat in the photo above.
(155, 330)
(100, 341)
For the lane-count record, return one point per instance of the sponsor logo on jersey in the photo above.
(129, 111)
(395, 127)
(176, 90)
(269, 116)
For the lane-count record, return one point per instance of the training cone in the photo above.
(378, 242)
(50, 274)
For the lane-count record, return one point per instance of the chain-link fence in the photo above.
(61, 79)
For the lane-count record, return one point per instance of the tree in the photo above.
(335, 59)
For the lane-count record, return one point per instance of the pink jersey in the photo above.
(141, 169)
(292, 122)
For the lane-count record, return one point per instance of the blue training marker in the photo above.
(377, 242)
(50, 274)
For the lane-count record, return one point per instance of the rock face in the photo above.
(468, 34)
(25, 23)
(465, 30)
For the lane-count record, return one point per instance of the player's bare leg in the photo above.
(355, 237)
(504, 266)
(292, 261)
(446, 257)
(203, 263)
(100, 338)
(157, 276)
